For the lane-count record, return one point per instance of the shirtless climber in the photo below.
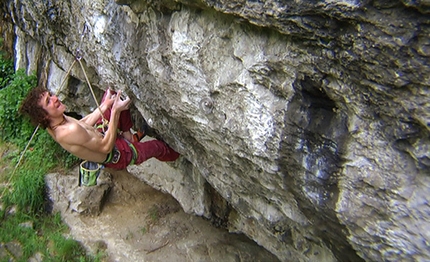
(115, 149)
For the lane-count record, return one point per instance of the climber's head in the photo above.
(40, 106)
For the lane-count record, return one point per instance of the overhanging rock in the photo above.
(303, 125)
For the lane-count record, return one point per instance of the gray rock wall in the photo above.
(303, 124)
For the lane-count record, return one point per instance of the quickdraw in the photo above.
(78, 57)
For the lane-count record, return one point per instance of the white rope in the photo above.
(36, 129)
(65, 77)
(78, 58)
(38, 126)
(92, 93)
(20, 159)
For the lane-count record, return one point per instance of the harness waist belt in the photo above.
(134, 158)
(113, 157)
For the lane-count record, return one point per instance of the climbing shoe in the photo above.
(141, 133)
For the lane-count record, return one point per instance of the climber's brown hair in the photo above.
(30, 107)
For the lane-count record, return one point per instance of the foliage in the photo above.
(6, 72)
(154, 213)
(14, 127)
(6, 69)
(28, 182)
(44, 154)
(46, 235)
(26, 192)
(43, 234)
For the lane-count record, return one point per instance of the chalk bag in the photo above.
(88, 173)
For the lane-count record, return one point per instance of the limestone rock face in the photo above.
(303, 124)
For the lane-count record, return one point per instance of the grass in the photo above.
(143, 230)
(26, 230)
(22, 217)
(154, 213)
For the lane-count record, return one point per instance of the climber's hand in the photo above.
(119, 104)
(109, 98)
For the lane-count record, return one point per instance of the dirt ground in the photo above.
(139, 223)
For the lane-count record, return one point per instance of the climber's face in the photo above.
(52, 105)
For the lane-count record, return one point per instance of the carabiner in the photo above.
(79, 53)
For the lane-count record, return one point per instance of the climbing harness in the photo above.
(113, 157)
(134, 150)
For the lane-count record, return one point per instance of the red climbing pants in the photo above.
(145, 150)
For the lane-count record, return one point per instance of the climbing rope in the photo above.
(19, 161)
(78, 57)
(94, 96)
